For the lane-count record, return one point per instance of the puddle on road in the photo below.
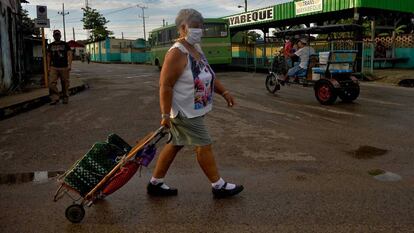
(388, 177)
(19, 178)
(368, 152)
(385, 176)
(406, 83)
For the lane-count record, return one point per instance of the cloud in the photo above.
(127, 20)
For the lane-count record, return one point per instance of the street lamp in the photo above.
(245, 6)
(246, 40)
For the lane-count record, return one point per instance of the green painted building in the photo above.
(118, 50)
(302, 11)
(385, 14)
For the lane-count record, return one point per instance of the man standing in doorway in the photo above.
(59, 57)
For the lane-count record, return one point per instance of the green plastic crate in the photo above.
(93, 167)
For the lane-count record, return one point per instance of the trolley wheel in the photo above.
(349, 94)
(75, 213)
(325, 92)
(272, 84)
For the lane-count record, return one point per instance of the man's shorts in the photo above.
(296, 71)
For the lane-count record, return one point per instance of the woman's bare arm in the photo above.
(174, 64)
(219, 89)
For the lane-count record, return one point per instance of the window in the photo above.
(215, 30)
(164, 36)
(172, 34)
(159, 38)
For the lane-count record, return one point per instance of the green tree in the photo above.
(252, 37)
(396, 32)
(27, 25)
(96, 22)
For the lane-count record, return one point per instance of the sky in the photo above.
(124, 15)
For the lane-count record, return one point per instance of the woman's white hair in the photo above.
(188, 16)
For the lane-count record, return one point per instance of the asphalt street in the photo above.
(305, 167)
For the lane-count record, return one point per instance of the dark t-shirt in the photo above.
(59, 53)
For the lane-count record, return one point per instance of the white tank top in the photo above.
(193, 91)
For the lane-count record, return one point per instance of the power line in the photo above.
(74, 19)
(116, 11)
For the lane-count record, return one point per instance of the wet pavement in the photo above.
(305, 167)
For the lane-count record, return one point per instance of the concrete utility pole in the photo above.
(45, 68)
(63, 13)
(143, 18)
(73, 33)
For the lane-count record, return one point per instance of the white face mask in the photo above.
(194, 35)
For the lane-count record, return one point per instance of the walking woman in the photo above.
(187, 83)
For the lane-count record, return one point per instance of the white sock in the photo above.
(156, 181)
(219, 184)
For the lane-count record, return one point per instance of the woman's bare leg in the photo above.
(206, 160)
(165, 159)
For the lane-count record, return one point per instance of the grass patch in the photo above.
(376, 172)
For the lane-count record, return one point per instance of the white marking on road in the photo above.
(139, 76)
(294, 156)
(320, 117)
(261, 108)
(282, 156)
(381, 102)
(336, 111)
(325, 109)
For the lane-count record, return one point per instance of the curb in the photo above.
(27, 105)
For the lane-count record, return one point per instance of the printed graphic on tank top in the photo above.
(203, 77)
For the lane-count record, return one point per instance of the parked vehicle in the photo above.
(216, 42)
(331, 76)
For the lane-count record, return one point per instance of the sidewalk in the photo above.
(14, 104)
(393, 76)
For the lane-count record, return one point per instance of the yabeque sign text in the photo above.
(251, 17)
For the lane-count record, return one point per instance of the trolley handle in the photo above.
(161, 133)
